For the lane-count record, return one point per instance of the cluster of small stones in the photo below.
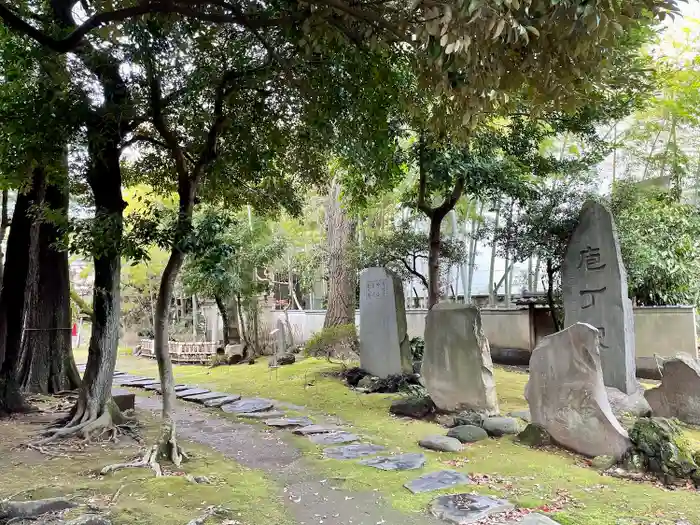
(461, 508)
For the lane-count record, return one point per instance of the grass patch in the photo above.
(531, 478)
(143, 499)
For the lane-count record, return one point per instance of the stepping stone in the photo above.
(289, 422)
(463, 509)
(116, 373)
(536, 518)
(269, 414)
(126, 379)
(191, 392)
(441, 443)
(201, 398)
(222, 400)
(317, 429)
(354, 451)
(153, 386)
(248, 405)
(180, 388)
(333, 438)
(141, 382)
(411, 461)
(436, 481)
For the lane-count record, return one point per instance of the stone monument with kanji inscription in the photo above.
(384, 348)
(594, 287)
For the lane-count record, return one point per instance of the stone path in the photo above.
(309, 499)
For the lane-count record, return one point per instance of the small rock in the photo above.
(603, 462)
(468, 433)
(445, 420)
(535, 436)
(415, 407)
(367, 382)
(282, 360)
(622, 404)
(522, 414)
(89, 519)
(469, 418)
(441, 443)
(501, 426)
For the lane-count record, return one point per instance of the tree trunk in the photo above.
(492, 265)
(434, 239)
(550, 295)
(224, 318)
(20, 245)
(340, 234)
(47, 364)
(4, 224)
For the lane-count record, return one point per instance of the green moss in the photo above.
(515, 472)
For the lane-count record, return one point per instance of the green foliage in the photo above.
(417, 348)
(336, 341)
(660, 242)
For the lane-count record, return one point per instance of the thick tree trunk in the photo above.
(20, 245)
(434, 239)
(4, 224)
(47, 364)
(340, 234)
(224, 318)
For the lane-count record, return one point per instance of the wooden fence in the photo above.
(200, 353)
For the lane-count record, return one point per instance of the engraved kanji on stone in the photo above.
(589, 296)
(590, 257)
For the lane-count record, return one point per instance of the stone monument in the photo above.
(594, 287)
(457, 367)
(567, 397)
(384, 347)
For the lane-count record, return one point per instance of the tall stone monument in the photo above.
(457, 367)
(594, 286)
(384, 347)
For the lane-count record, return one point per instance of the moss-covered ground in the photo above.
(552, 479)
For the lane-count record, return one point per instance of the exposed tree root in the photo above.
(31, 509)
(167, 449)
(211, 511)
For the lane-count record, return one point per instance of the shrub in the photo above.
(417, 348)
(335, 341)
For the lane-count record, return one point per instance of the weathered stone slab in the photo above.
(409, 461)
(463, 509)
(679, 392)
(354, 451)
(191, 392)
(247, 405)
(126, 378)
(317, 429)
(180, 388)
(384, 348)
(152, 386)
(201, 398)
(567, 396)
(141, 382)
(222, 400)
(441, 443)
(265, 414)
(633, 404)
(457, 368)
(289, 422)
(124, 399)
(594, 288)
(534, 518)
(333, 438)
(437, 481)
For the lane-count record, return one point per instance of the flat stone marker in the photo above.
(247, 405)
(384, 347)
(266, 414)
(567, 397)
(222, 401)
(354, 451)
(333, 438)
(289, 422)
(201, 398)
(191, 392)
(411, 461)
(436, 481)
(141, 382)
(457, 367)
(594, 290)
(317, 429)
(463, 509)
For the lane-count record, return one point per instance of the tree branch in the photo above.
(414, 272)
(451, 201)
